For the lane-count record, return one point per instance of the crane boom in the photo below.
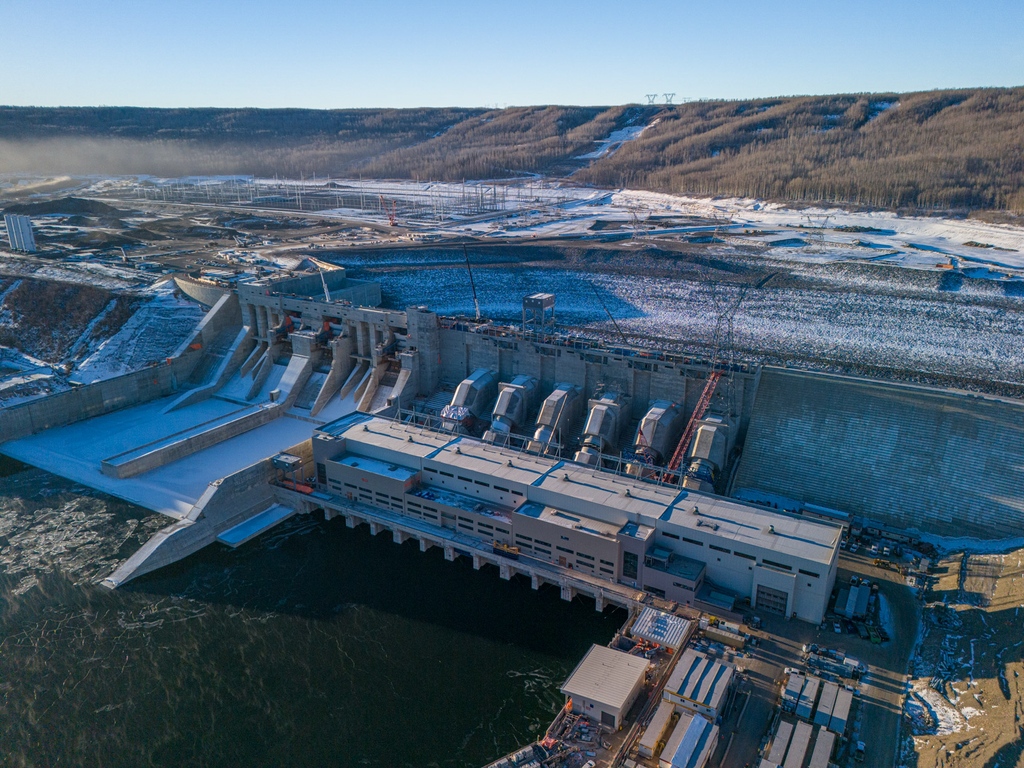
(698, 414)
(610, 316)
(327, 293)
(472, 283)
(392, 212)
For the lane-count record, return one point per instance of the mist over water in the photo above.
(315, 644)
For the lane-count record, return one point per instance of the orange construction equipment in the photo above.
(698, 414)
(392, 212)
(300, 487)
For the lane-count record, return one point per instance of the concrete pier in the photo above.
(605, 592)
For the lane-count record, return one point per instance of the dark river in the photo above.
(312, 645)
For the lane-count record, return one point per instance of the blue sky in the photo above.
(313, 53)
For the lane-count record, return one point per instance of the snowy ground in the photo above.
(86, 272)
(840, 323)
(974, 546)
(931, 713)
(76, 451)
(608, 146)
(543, 208)
(548, 208)
(152, 334)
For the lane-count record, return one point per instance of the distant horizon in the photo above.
(315, 54)
(707, 99)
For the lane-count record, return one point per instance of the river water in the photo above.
(312, 645)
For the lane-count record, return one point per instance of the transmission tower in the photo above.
(817, 236)
(651, 97)
(640, 224)
(669, 97)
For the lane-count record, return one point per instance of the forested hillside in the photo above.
(952, 149)
(937, 150)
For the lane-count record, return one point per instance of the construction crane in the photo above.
(724, 320)
(327, 293)
(597, 293)
(472, 283)
(392, 212)
(691, 427)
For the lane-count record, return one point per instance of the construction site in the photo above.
(720, 500)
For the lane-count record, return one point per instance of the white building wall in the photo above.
(593, 709)
(738, 568)
(735, 570)
(19, 232)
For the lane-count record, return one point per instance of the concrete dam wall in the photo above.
(942, 462)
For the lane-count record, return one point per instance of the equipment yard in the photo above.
(776, 648)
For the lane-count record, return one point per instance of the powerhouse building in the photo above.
(671, 542)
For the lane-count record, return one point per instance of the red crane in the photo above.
(698, 414)
(392, 212)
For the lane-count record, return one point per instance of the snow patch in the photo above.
(931, 713)
(152, 334)
(610, 145)
(971, 545)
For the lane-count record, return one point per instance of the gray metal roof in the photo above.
(656, 728)
(392, 471)
(841, 712)
(822, 754)
(798, 745)
(690, 742)
(566, 520)
(827, 701)
(606, 676)
(780, 743)
(700, 679)
(808, 696)
(662, 628)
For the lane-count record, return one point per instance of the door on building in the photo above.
(607, 719)
(772, 600)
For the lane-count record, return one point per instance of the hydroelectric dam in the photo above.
(611, 471)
